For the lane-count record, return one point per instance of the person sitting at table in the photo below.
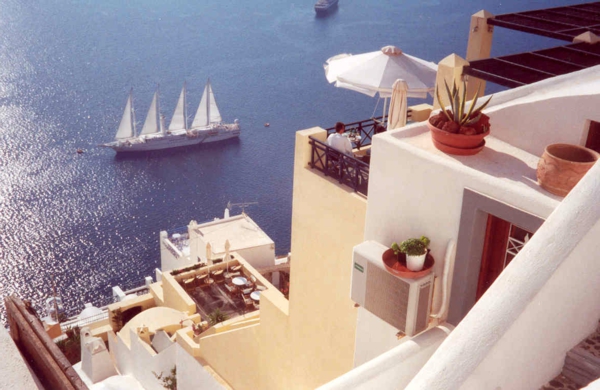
(338, 141)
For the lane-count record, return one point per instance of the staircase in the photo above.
(582, 365)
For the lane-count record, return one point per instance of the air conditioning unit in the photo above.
(403, 303)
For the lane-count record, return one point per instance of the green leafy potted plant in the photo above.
(415, 250)
(457, 130)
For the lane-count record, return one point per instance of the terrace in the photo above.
(353, 171)
(231, 287)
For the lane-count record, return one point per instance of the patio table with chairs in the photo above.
(239, 281)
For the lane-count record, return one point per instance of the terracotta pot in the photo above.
(396, 265)
(458, 144)
(562, 166)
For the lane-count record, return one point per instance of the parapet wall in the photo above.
(49, 363)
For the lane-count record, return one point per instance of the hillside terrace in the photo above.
(232, 287)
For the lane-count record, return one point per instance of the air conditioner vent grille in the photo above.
(423, 308)
(387, 296)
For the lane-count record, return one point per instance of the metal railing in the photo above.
(346, 169)
(84, 321)
(366, 128)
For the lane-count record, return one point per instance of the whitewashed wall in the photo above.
(146, 362)
(191, 375)
(395, 368)
(415, 190)
(542, 305)
(167, 260)
(259, 256)
(547, 112)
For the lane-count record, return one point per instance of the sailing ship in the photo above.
(206, 127)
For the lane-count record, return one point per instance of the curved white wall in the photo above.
(533, 131)
(544, 302)
(395, 368)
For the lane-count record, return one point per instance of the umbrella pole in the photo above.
(383, 117)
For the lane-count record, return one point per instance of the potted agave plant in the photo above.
(415, 250)
(457, 130)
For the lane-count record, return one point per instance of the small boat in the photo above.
(207, 125)
(323, 6)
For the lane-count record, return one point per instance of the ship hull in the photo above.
(174, 140)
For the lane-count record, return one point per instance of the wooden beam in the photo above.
(31, 338)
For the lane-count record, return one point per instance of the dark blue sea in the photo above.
(91, 220)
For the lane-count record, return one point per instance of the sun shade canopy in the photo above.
(564, 23)
(376, 72)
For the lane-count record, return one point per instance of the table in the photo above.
(239, 281)
(354, 138)
(255, 295)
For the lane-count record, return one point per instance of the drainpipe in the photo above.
(448, 261)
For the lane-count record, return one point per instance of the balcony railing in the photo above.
(346, 169)
(83, 321)
(366, 128)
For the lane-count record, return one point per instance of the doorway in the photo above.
(502, 242)
(593, 137)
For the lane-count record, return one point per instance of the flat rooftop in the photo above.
(498, 161)
(241, 231)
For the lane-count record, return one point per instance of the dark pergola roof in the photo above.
(526, 68)
(561, 23)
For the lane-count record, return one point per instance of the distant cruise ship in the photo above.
(323, 6)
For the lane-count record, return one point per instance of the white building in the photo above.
(542, 304)
(206, 242)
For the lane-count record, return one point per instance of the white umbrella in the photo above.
(208, 252)
(376, 72)
(398, 105)
(227, 246)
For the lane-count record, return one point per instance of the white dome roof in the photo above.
(89, 311)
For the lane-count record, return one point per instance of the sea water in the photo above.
(91, 221)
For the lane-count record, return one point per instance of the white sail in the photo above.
(151, 122)
(208, 112)
(126, 126)
(179, 122)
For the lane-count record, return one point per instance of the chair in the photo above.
(218, 275)
(207, 283)
(231, 289)
(201, 278)
(247, 290)
(247, 301)
(256, 305)
(189, 284)
(334, 162)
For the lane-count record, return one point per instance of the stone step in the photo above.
(577, 376)
(582, 363)
(560, 383)
(575, 360)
